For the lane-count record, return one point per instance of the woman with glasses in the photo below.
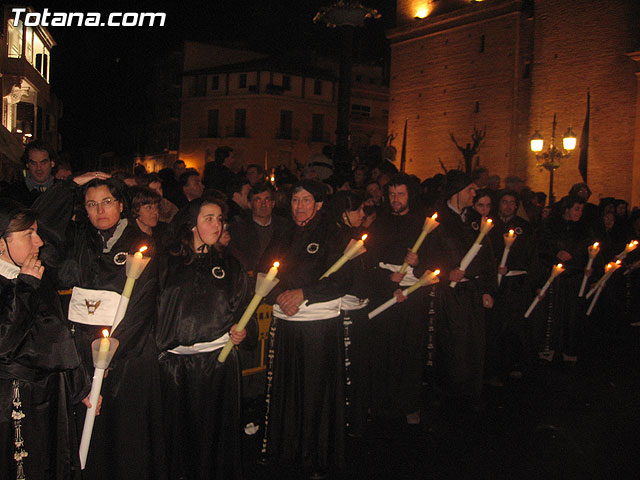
(92, 242)
(38, 384)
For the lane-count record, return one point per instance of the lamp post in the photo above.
(550, 159)
(347, 15)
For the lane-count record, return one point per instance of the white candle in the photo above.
(557, 270)
(273, 271)
(103, 351)
(429, 226)
(593, 252)
(509, 238)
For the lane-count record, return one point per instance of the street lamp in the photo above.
(550, 159)
(346, 15)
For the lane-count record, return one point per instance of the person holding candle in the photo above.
(565, 239)
(345, 211)
(90, 243)
(510, 349)
(397, 336)
(203, 293)
(306, 394)
(39, 364)
(460, 310)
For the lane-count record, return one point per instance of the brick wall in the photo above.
(438, 74)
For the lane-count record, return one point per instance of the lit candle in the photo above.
(427, 278)
(103, 351)
(609, 269)
(557, 270)
(354, 248)
(264, 285)
(631, 246)
(273, 271)
(593, 252)
(485, 226)
(430, 224)
(509, 238)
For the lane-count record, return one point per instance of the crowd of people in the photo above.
(170, 409)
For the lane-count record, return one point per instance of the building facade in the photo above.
(29, 109)
(271, 110)
(509, 66)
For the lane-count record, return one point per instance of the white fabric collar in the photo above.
(9, 271)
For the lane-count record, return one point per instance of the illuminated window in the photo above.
(15, 39)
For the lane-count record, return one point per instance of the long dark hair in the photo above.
(183, 223)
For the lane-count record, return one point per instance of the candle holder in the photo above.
(102, 350)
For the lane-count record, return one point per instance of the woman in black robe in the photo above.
(39, 366)
(92, 244)
(306, 394)
(203, 294)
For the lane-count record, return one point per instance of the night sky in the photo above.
(101, 73)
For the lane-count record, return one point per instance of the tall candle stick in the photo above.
(427, 279)
(430, 224)
(103, 350)
(136, 264)
(631, 246)
(557, 270)
(487, 224)
(509, 238)
(612, 268)
(264, 285)
(593, 252)
(609, 268)
(355, 248)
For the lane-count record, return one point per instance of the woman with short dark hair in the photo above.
(40, 371)
(94, 244)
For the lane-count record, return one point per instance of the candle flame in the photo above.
(434, 216)
(489, 220)
(559, 265)
(596, 245)
(437, 272)
(618, 262)
(511, 233)
(364, 237)
(276, 264)
(105, 333)
(143, 249)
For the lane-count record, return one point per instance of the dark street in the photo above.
(561, 422)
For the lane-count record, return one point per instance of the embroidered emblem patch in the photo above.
(218, 272)
(120, 258)
(518, 230)
(475, 225)
(313, 248)
(92, 306)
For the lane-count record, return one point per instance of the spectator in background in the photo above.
(493, 182)
(255, 174)
(238, 199)
(221, 172)
(192, 187)
(167, 208)
(480, 177)
(39, 160)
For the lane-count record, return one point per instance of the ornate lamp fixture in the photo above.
(550, 159)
